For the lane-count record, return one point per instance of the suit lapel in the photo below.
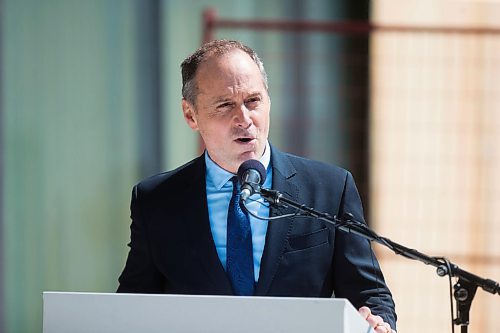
(198, 228)
(278, 230)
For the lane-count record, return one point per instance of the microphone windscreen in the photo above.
(252, 164)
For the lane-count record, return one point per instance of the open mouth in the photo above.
(244, 140)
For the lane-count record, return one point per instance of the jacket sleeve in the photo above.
(140, 274)
(357, 274)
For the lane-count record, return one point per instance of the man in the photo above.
(183, 221)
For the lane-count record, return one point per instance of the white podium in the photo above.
(123, 313)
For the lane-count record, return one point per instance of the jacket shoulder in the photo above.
(314, 168)
(173, 178)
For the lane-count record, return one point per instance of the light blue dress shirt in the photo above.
(219, 192)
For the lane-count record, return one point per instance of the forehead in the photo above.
(229, 71)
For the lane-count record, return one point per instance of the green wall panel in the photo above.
(70, 109)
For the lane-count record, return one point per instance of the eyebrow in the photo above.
(223, 99)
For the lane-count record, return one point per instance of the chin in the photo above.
(248, 156)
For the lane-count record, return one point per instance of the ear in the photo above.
(189, 115)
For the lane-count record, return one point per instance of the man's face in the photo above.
(232, 109)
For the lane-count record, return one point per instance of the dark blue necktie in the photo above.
(239, 261)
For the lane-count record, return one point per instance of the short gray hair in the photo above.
(215, 48)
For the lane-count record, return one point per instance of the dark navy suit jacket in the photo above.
(172, 249)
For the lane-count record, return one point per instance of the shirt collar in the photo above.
(219, 177)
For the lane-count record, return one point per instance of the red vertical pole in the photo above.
(209, 19)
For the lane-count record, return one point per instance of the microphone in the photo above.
(251, 175)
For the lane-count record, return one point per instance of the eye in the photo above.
(224, 105)
(252, 102)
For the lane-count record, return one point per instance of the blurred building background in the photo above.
(90, 104)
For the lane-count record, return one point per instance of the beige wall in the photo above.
(435, 154)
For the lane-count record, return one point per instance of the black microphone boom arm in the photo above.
(466, 286)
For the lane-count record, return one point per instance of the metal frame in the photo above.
(212, 22)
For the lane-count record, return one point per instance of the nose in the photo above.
(242, 117)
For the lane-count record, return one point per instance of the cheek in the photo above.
(262, 120)
(213, 131)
